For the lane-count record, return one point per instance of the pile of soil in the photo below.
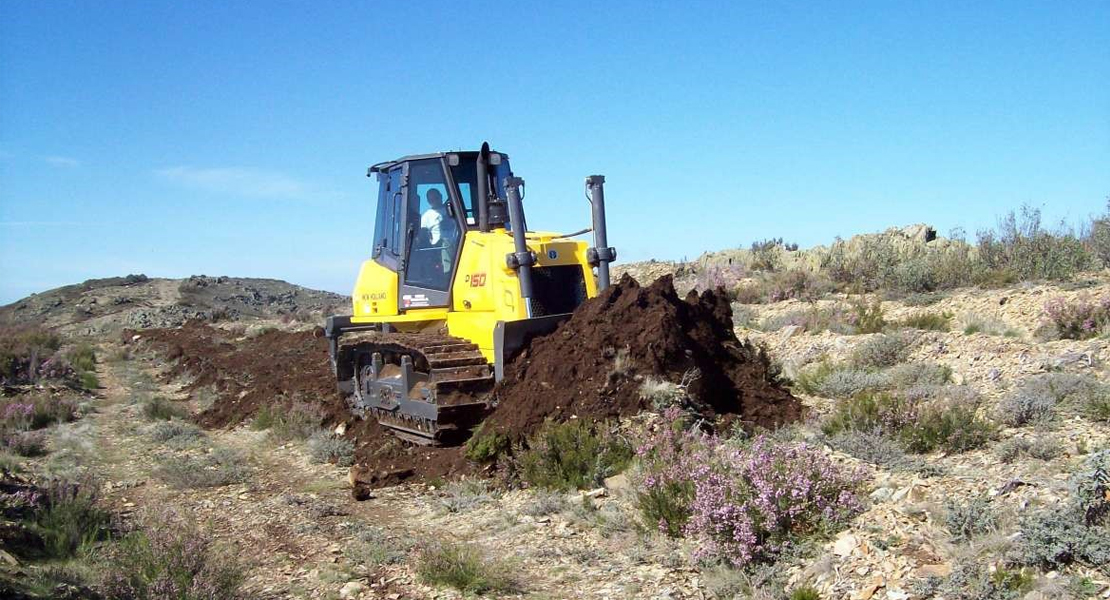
(594, 364)
(278, 368)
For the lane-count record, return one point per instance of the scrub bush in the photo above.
(742, 504)
(572, 455)
(169, 559)
(1080, 319)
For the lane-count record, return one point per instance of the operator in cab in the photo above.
(441, 230)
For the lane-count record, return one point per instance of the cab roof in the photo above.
(385, 166)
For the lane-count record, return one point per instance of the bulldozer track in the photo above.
(452, 375)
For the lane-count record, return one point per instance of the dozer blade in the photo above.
(510, 336)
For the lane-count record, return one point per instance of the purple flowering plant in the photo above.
(1079, 319)
(742, 504)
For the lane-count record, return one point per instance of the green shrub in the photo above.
(26, 443)
(881, 351)
(949, 426)
(919, 426)
(159, 408)
(89, 380)
(929, 321)
(289, 420)
(175, 432)
(83, 357)
(867, 317)
(965, 520)
(486, 446)
(572, 455)
(326, 447)
(70, 520)
(464, 568)
(373, 547)
(464, 495)
(667, 506)
(805, 593)
(169, 559)
(910, 375)
(869, 412)
(973, 324)
(1041, 448)
(1022, 247)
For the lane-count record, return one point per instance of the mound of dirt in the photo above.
(279, 368)
(594, 365)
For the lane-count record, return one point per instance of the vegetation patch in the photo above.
(465, 495)
(169, 559)
(326, 447)
(944, 423)
(68, 519)
(928, 321)
(1078, 319)
(26, 443)
(881, 351)
(289, 420)
(485, 446)
(218, 468)
(1040, 448)
(1079, 531)
(965, 520)
(743, 505)
(160, 408)
(1037, 399)
(177, 434)
(464, 568)
(973, 324)
(572, 455)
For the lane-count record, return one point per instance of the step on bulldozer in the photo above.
(456, 284)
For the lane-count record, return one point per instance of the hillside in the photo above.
(952, 440)
(100, 306)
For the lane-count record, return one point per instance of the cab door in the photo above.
(388, 227)
(432, 234)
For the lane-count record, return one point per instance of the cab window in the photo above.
(435, 233)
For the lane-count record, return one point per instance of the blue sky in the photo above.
(233, 138)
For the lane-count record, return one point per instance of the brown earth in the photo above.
(282, 368)
(649, 330)
(594, 365)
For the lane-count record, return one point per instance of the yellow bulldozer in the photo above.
(456, 284)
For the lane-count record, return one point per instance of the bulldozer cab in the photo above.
(426, 203)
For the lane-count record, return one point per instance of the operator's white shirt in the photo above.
(432, 220)
(438, 226)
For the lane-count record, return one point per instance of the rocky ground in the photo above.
(100, 306)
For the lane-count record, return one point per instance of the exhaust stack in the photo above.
(521, 260)
(601, 254)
